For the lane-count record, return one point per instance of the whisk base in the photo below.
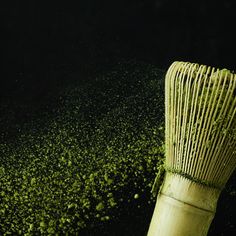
(183, 208)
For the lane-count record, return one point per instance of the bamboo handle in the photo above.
(183, 208)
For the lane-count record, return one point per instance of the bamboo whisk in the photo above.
(200, 106)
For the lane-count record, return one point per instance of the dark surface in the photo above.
(28, 117)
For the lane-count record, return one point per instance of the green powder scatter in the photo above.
(80, 158)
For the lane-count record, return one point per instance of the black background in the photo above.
(43, 42)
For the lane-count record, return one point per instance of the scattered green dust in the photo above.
(92, 154)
